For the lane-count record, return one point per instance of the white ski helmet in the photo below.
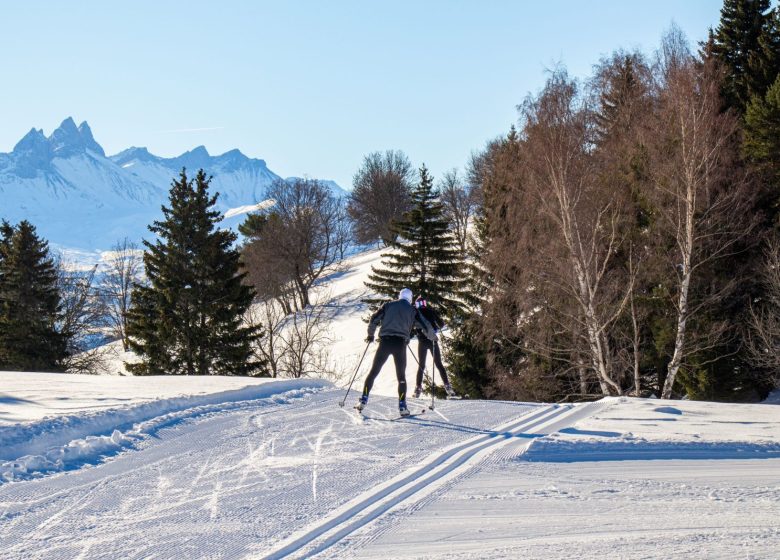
(406, 294)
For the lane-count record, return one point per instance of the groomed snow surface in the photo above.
(182, 467)
(279, 470)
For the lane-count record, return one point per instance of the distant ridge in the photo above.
(79, 198)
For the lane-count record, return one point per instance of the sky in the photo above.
(309, 86)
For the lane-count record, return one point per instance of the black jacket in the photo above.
(430, 314)
(398, 318)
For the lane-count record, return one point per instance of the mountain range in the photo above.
(81, 199)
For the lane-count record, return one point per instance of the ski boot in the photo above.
(450, 391)
(417, 392)
(361, 403)
(403, 411)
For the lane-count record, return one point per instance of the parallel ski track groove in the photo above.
(350, 520)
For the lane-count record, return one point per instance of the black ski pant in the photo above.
(425, 346)
(389, 346)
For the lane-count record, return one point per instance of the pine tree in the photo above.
(29, 302)
(424, 257)
(189, 318)
(744, 44)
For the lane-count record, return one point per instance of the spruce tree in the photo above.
(424, 257)
(471, 352)
(29, 302)
(620, 99)
(745, 45)
(761, 146)
(762, 131)
(188, 319)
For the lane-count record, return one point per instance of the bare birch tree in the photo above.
(81, 319)
(301, 239)
(123, 269)
(305, 342)
(459, 204)
(764, 329)
(270, 348)
(701, 200)
(381, 193)
(294, 345)
(583, 223)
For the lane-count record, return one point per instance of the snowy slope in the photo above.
(295, 476)
(79, 198)
(342, 292)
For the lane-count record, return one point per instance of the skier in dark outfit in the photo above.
(397, 318)
(424, 345)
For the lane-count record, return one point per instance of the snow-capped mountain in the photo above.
(80, 198)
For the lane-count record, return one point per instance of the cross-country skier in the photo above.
(424, 345)
(397, 318)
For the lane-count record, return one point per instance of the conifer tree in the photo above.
(469, 352)
(620, 100)
(762, 132)
(189, 318)
(745, 43)
(29, 302)
(424, 257)
(766, 62)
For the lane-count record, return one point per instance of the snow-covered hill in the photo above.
(79, 198)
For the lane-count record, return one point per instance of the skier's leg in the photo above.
(422, 353)
(399, 357)
(382, 353)
(440, 364)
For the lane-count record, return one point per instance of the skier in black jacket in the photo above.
(424, 345)
(397, 318)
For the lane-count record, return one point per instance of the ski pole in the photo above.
(357, 369)
(433, 373)
(425, 370)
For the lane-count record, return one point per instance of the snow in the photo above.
(183, 467)
(32, 396)
(247, 208)
(64, 441)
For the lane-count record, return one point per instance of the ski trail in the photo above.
(436, 410)
(239, 482)
(317, 449)
(372, 504)
(352, 417)
(213, 504)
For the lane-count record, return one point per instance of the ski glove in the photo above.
(370, 338)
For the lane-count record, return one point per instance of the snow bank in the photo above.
(65, 442)
(641, 429)
(773, 398)
(32, 396)
(559, 448)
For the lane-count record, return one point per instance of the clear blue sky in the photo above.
(309, 86)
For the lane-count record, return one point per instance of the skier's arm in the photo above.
(425, 326)
(376, 318)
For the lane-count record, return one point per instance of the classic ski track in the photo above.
(508, 450)
(372, 504)
(256, 432)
